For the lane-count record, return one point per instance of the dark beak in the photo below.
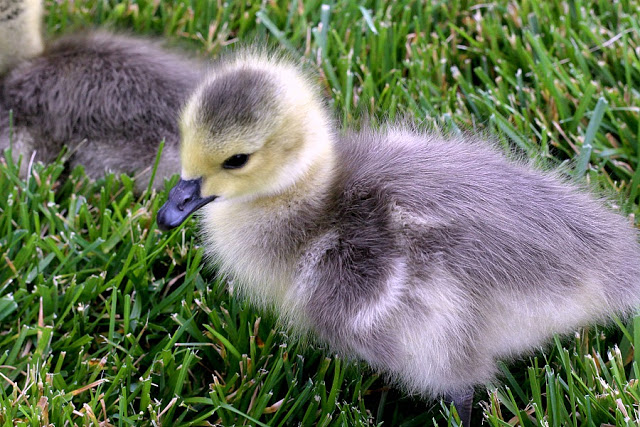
(184, 199)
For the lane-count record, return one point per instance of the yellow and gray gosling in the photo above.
(430, 258)
(111, 99)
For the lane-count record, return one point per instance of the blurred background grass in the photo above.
(106, 321)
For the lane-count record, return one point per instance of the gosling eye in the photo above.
(236, 161)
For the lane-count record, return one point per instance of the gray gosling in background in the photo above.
(430, 258)
(111, 99)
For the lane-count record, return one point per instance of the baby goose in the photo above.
(430, 258)
(111, 99)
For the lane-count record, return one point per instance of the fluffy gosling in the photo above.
(111, 99)
(430, 258)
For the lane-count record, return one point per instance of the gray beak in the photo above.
(184, 199)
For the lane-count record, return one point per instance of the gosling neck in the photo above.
(317, 182)
(313, 179)
(20, 32)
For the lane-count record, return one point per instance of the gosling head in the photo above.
(20, 31)
(254, 128)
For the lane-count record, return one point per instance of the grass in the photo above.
(107, 321)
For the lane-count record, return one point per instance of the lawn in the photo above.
(105, 320)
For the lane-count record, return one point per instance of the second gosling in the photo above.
(111, 99)
(430, 258)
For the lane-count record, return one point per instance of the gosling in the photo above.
(430, 258)
(110, 99)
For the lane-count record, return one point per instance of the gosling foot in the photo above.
(463, 401)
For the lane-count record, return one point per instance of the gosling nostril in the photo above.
(183, 203)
